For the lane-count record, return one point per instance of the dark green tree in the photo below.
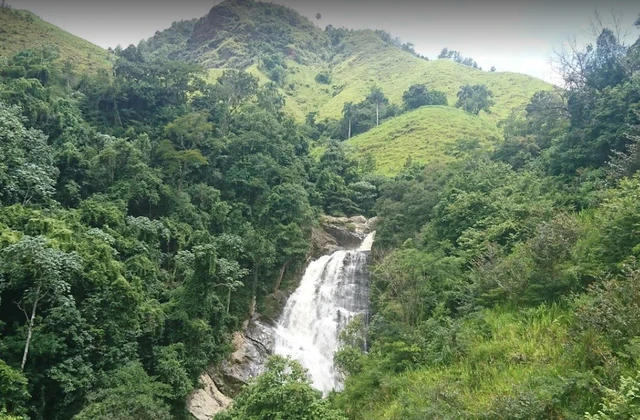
(474, 98)
(419, 95)
(282, 392)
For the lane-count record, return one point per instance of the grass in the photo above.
(361, 61)
(515, 349)
(367, 62)
(427, 134)
(20, 29)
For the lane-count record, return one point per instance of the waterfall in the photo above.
(333, 290)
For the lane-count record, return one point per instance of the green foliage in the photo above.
(458, 58)
(505, 284)
(323, 77)
(128, 393)
(23, 30)
(282, 392)
(621, 403)
(150, 240)
(475, 98)
(420, 95)
(27, 172)
(13, 391)
(147, 211)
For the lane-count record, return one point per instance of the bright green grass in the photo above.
(368, 62)
(21, 30)
(520, 347)
(425, 135)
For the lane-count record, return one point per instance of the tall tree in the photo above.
(40, 273)
(348, 112)
(377, 97)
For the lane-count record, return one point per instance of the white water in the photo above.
(333, 290)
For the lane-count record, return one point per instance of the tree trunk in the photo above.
(377, 114)
(254, 288)
(32, 321)
(349, 128)
(228, 299)
(282, 270)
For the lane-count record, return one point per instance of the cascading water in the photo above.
(333, 290)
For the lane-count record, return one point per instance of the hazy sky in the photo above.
(515, 35)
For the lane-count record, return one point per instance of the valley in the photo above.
(247, 216)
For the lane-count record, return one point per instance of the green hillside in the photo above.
(427, 134)
(277, 44)
(20, 29)
(368, 61)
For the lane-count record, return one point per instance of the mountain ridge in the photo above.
(279, 45)
(21, 29)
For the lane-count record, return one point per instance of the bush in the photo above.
(622, 403)
(324, 77)
(419, 95)
(282, 392)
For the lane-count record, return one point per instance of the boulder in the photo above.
(347, 232)
(206, 401)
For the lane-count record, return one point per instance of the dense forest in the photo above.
(145, 214)
(147, 210)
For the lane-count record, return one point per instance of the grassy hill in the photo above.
(366, 61)
(247, 34)
(21, 30)
(426, 134)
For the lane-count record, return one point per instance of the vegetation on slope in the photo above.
(428, 134)
(20, 30)
(505, 285)
(355, 60)
(318, 72)
(368, 62)
(237, 33)
(143, 218)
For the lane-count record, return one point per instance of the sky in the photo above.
(516, 35)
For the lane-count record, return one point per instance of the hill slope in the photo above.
(236, 32)
(367, 61)
(427, 134)
(276, 43)
(21, 30)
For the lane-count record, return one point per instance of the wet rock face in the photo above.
(252, 348)
(347, 232)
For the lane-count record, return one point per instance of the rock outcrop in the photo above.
(207, 401)
(339, 233)
(252, 347)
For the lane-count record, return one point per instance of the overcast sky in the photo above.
(516, 35)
